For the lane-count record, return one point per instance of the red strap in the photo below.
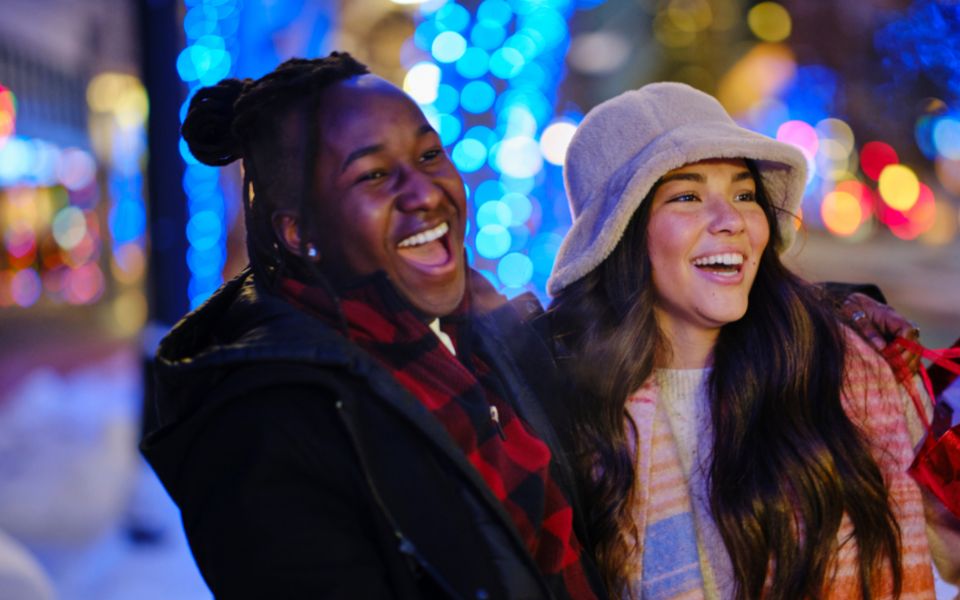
(939, 357)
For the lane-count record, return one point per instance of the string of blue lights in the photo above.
(490, 89)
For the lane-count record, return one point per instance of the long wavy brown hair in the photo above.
(787, 462)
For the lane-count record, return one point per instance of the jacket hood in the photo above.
(241, 325)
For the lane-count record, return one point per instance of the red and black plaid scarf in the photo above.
(460, 391)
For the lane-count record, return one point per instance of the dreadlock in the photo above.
(245, 119)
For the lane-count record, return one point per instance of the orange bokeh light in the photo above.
(841, 213)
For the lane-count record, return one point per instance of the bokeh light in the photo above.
(506, 62)
(946, 137)
(206, 60)
(477, 97)
(765, 71)
(129, 311)
(769, 21)
(909, 224)
(515, 270)
(493, 241)
(25, 287)
(474, 63)
(448, 47)
(520, 207)
(448, 126)
(8, 114)
(487, 35)
(494, 213)
(864, 195)
(838, 131)
(802, 135)
(422, 82)
(469, 155)
(84, 284)
(899, 187)
(503, 90)
(519, 157)
(129, 263)
(875, 157)
(555, 140)
(841, 213)
(77, 169)
(69, 227)
(121, 95)
(497, 12)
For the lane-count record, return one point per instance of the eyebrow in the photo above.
(699, 178)
(374, 148)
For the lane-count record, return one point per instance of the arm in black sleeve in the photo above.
(274, 505)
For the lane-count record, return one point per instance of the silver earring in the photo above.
(312, 251)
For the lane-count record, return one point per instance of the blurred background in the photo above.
(110, 231)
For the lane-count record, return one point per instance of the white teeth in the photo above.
(425, 237)
(728, 259)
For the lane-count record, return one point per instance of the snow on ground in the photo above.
(80, 511)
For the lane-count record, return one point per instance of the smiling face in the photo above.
(389, 197)
(705, 237)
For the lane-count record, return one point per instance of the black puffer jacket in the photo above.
(303, 470)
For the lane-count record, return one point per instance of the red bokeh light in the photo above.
(874, 156)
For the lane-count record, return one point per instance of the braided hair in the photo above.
(246, 119)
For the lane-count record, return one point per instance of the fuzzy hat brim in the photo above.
(602, 211)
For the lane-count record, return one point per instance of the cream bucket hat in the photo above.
(624, 145)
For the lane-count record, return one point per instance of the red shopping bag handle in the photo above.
(940, 358)
(942, 377)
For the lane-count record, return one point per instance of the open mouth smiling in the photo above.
(427, 248)
(725, 264)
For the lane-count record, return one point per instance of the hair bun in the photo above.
(208, 128)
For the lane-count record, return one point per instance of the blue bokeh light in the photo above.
(523, 43)
(519, 238)
(946, 137)
(469, 155)
(515, 270)
(495, 11)
(494, 213)
(448, 98)
(488, 190)
(487, 35)
(520, 207)
(548, 24)
(452, 17)
(207, 262)
(204, 230)
(424, 34)
(477, 96)
(128, 220)
(448, 47)
(493, 241)
(506, 62)
(506, 79)
(474, 63)
(448, 126)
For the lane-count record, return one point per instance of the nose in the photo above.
(418, 191)
(725, 217)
